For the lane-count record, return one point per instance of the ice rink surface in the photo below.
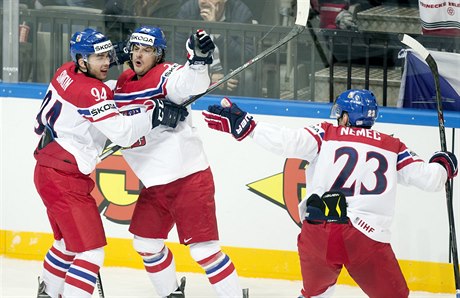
(19, 279)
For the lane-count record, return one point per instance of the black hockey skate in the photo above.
(180, 291)
(246, 293)
(41, 290)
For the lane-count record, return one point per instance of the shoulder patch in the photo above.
(171, 68)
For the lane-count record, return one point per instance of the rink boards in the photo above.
(256, 193)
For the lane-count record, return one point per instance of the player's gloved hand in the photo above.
(167, 113)
(200, 48)
(448, 160)
(121, 52)
(229, 119)
(331, 206)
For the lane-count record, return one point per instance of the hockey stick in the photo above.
(303, 9)
(111, 149)
(99, 286)
(423, 52)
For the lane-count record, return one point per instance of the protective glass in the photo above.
(336, 112)
(102, 58)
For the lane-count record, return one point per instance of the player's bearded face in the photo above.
(144, 58)
(98, 65)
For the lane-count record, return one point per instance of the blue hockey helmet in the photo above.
(89, 41)
(360, 105)
(148, 36)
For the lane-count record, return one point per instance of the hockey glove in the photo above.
(331, 207)
(121, 52)
(167, 113)
(448, 160)
(200, 48)
(230, 120)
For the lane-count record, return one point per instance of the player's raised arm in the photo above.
(193, 78)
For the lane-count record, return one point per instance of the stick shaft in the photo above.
(448, 187)
(424, 53)
(100, 289)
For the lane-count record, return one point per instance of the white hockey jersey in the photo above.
(81, 114)
(440, 17)
(363, 164)
(165, 154)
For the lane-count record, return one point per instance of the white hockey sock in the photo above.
(82, 275)
(326, 294)
(222, 275)
(161, 270)
(55, 266)
(229, 287)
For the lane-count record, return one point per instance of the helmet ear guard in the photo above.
(360, 106)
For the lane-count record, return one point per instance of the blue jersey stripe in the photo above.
(145, 94)
(403, 156)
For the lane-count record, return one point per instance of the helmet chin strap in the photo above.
(85, 71)
(90, 75)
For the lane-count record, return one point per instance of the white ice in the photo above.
(19, 279)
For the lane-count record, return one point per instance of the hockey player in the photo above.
(349, 207)
(172, 165)
(75, 119)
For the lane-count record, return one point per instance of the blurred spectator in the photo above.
(234, 11)
(340, 14)
(228, 53)
(158, 8)
(439, 17)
